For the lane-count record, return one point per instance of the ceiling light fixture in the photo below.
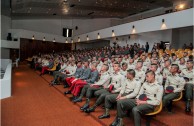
(87, 38)
(98, 36)
(33, 37)
(78, 39)
(113, 33)
(54, 40)
(181, 6)
(44, 39)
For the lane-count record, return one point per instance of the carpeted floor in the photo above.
(35, 103)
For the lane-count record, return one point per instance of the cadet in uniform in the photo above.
(188, 74)
(114, 88)
(173, 86)
(140, 74)
(131, 64)
(158, 76)
(123, 70)
(130, 89)
(150, 95)
(69, 71)
(181, 64)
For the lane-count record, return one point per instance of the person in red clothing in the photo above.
(85, 75)
(48, 64)
(79, 84)
(77, 74)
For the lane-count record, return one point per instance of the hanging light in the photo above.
(33, 37)
(98, 36)
(78, 39)
(66, 41)
(133, 29)
(54, 40)
(44, 39)
(87, 38)
(113, 33)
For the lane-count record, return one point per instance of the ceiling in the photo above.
(85, 8)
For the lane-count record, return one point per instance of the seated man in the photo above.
(114, 88)
(188, 75)
(79, 84)
(69, 71)
(149, 96)
(85, 75)
(77, 74)
(158, 76)
(103, 82)
(63, 65)
(140, 74)
(123, 70)
(173, 86)
(130, 89)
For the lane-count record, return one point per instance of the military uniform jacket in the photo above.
(117, 79)
(153, 91)
(132, 87)
(104, 80)
(78, 72)
(93, 77)
(175, 81)
(71, 69)
(159, 78)
(131, 66)
(86, 73)
(166, 72)
(188, 74)
(182, 66)
(140, 75)
(124, 73)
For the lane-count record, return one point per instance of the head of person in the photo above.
(189, 64)
(174, 57)
(131, 60)
(124, 66)
(155, 61)
(182, 60)
(153, 67)
(154, 55)
(73, 63)
(120, 59)
(104, 67)
(79, 63)
(139, 64)
(86, 64)
(116, 66)
(130, 74)
(136, 56)
(185, 54)
(93, 66)
(167, 63)
(174, 68)
(150, 76)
